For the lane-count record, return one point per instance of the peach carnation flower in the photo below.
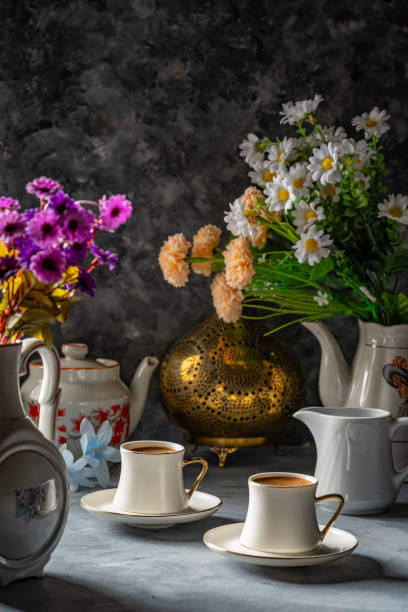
(238, 263)
(171, 259)
(249, 198)
(204, 242)
(227, 301)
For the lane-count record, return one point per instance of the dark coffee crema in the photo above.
(153, 450)
(282, 481)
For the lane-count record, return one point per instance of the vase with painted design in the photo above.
(34, 483)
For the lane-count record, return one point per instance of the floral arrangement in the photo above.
(47, 254)
(317, 235)
(96, 452)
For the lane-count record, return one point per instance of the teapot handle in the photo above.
(49, 392)
(399, 476)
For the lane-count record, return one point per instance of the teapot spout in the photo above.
(139, 388)
(334, 377)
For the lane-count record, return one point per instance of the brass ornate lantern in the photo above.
(229, 386)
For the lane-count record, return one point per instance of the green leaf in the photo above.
(322, 269)
(402, 308)
(396, 262)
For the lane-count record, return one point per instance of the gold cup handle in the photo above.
(201, 474)
(335, 515)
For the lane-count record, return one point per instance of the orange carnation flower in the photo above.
(227, 301)
(238, 263)
(171, 259)
(204, 242)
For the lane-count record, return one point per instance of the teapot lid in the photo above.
(75, 359)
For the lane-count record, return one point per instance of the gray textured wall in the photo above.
(152, 99)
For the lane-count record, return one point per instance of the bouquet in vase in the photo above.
(316, 235)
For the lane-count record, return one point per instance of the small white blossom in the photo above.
(395, 208)
(373, 123)
(250, 150)
(329, 191)
(280, 194)
(237, 222)
(277, 154)
(312, 246)
(294, 112)
(363, 180)
(300, 178)
(360, 150)
(322, 298)
(323, 164)
(329, 134)
(304, 214)
(262, 173)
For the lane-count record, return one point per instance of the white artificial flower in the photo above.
(323, 164)
(294, 112)
(237, 222)
(262, 173)
(322, 298)
(304, 214)
(360, 150)
(329, 191)
(395, 208)
(329, 134)
(368, 294)
(252, 149)
(373, 123)
(363, 180)
(312, 246)
(280, 194)
(300, 178)
(278, 153)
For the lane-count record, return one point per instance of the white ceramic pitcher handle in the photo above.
(399, 476)
(49, 392)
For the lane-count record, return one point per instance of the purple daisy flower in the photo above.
(29, 213)
(105, 257)
(26, 248)
(75, 253)
(114, 211)
(61, 202)
(48, 265)
(78, 224)
(43, 187)
(12, 224)
(44, 228)
(9, 203)
(8, 267)
(86, 283)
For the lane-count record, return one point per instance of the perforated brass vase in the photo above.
(229, 386)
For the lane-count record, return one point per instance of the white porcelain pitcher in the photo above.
(354, 456)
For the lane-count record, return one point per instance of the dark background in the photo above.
(152, 99)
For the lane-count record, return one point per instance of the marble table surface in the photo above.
(105, 566)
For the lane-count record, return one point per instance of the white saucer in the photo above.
(225, 540)
(201, 505)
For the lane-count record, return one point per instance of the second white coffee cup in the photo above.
(151, 478)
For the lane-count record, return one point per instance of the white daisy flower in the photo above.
(280, 194)
(360, 149)
(300, 178)
(312, 246)
(363, 180)
(252, 149)
(262, 173)
(322, 298)
(329, 191)
(329, 134)
(373, 123)
(278, 153)
(237, 222)
(294, 112)
(323, 164)
(395, 208)
(304, 214)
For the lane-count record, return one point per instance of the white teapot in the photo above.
(91, 389)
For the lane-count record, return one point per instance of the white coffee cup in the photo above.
(151, 482)
(282, 519)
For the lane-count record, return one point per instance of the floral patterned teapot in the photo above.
(91, 389)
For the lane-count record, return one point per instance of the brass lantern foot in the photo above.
(223, 452)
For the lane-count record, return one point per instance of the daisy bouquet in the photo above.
(316, 235)
(47, 254)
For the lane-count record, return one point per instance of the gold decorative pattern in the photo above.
(228, 385)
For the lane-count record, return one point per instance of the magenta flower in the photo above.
(75, 253)
(43, 187)
(8, 267)
(9, 203)
(78, 224)
(105, 257)
(86, 283)
(48, 265)
(114, 211)
(60, 202)
(26, 248)
(44, 228)
(12, 224)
